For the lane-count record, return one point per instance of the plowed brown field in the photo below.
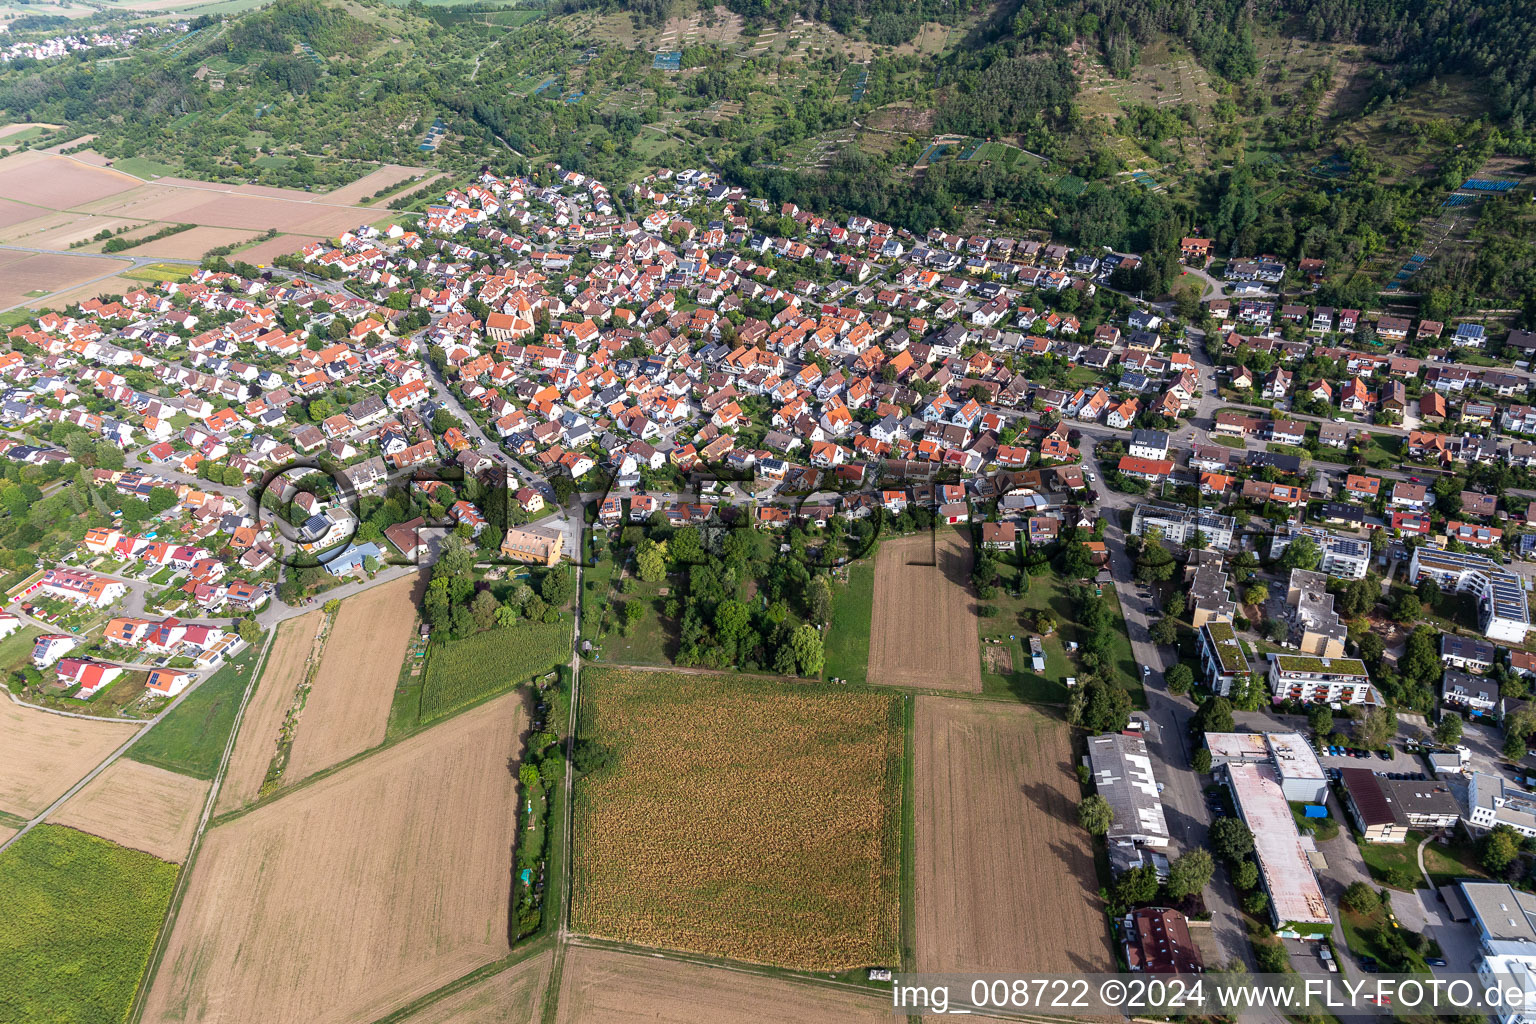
(257, 742)
(348, 707)
(58, 182)
(343, 901)
(138, 806)
(42, 755)
(608, 987)
(1005, 875)
(512, 997)
(924, 630)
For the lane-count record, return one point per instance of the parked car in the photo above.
(1435, 961)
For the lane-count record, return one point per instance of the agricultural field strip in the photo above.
(281, 894)
(347, 711)
(986, 776)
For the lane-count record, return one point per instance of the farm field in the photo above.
(358, 894)
(363, 188)
(515, 996)
(1004, 872)
(34, 275)
(140, 807)
(57, 182)
(81, 915)
(263, 253)
(746, 819)
(847, 643)
(257, 742)
(190, 245)
(945, 655)
(191, 738)
(609, 987)
(461, 672)
(348, 707)
(42, 755)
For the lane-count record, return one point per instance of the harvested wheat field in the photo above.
(257, 743)
(12, 212)
(348, 707)
(1005, 875)
(608, 987)
(139, 806)
(363, 188)
(750, 819)
(57, 182)
(514, 996)
(48, 272)
(190, 245)
(924, 631)
(263, 253)
(42, 755)
(348, 899)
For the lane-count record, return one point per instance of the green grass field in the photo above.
(464, 672)
(847, 644)
(23, 135)
(649, 642)
(80, 919)
(14, 652)
(143, 167)
(157, 272)
(191, 738)
(1015, 617)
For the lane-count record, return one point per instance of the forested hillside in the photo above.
(1303, 128)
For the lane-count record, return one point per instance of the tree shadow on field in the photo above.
(1048, 799)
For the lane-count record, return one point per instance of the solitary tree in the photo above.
(1360, 898)
(1448, 731)
(1094, 814)
(1230, 839)
(1190, 873)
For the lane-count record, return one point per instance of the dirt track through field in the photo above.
(348, 899)
(602, 986)
(1005, 875)
(138, 806)
(514, 996)
(257, 742)
(42, 755)
(924, 630)
(348, 707)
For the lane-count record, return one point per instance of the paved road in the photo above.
(1184, 802)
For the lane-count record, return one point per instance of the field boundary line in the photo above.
(738, 966)
(479, 974)
(163, 939)
(363, 755)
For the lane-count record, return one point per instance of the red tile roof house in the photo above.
(1151, 470)
(91, 676)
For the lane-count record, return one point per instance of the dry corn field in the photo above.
(745, 819)
(924, 631)
(1005, 875)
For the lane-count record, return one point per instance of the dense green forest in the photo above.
(1490, 39)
